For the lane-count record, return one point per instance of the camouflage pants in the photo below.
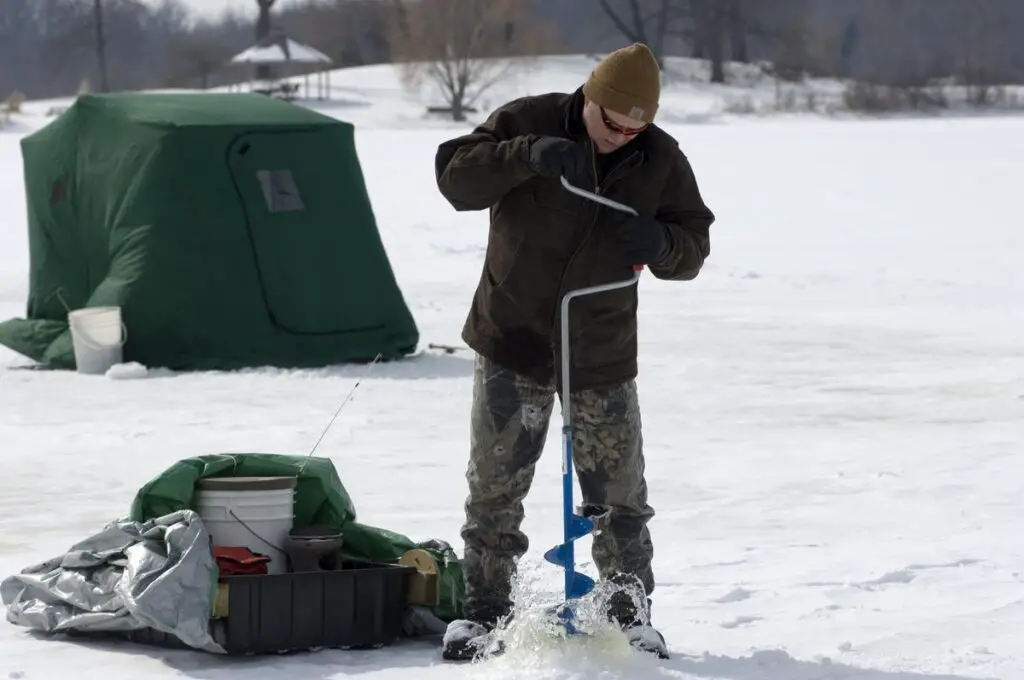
(509, 424)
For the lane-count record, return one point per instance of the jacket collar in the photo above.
(572, 122)
(572, 114)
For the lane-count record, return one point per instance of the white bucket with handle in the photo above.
(98, 336)
(249, 512)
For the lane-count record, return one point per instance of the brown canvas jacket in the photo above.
(545, 241)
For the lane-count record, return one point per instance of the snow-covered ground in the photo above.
(834, 409)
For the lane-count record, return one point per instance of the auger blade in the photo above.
(557, 555)
(564, 617)
(581, 585)
(579, 526)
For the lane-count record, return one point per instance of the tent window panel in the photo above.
(279, 191)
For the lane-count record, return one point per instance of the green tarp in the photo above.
(234, 230)
(320, 499)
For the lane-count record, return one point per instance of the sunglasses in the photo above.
(615, 127)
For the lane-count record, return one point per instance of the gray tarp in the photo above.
(156, 574)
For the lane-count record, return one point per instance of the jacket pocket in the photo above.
(503, 246)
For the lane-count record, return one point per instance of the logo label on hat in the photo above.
(636, 113)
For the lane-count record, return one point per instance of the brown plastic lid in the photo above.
(246, 483)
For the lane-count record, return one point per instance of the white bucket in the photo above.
(252, 512)
(98, 335)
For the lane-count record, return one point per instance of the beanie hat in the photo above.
(627, 81)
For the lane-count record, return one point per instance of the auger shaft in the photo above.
(576, 525)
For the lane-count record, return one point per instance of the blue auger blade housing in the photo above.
(575, 526)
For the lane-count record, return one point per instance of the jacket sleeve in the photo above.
(688, 221)
(475, 170)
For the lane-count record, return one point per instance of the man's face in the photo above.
(608, 129)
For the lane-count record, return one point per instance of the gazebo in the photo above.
(279, 50)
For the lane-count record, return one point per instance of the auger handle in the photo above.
(598, 198)
(573, 527)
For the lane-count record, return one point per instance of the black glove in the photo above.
(643, 240)
(555, 156)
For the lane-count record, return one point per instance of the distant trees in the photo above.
(904, 55)
(195, 56)
(643, 21)
(464, 47)
(352, 32)
(49, 47)
(897, 51)
(714, 30)
(101, 45)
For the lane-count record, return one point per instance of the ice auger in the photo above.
(587, 518)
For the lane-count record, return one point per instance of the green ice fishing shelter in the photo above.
(234, 230)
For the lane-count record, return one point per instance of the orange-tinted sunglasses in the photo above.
(615, 127)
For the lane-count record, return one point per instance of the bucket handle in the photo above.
(248, 528)
(124, 338)
(67, 307)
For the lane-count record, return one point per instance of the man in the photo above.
(545, 241)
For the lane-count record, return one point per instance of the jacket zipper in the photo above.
(608, 178)
(555, 326)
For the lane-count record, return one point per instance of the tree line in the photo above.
(50, 47)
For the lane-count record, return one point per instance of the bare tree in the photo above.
(19, 38)
(353, 32)
(642, 21)
(906, 51)
(101, 45)
(67, 43)
(721, 30)
(464, 47)
(263, 23)
(980, 51)
(708, 25)
(195, 55)
(263, 30)
(736, 16)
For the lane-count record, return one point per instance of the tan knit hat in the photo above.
(627, 81)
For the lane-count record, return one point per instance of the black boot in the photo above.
(636, 623)
(474, 636)
(464, 640)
